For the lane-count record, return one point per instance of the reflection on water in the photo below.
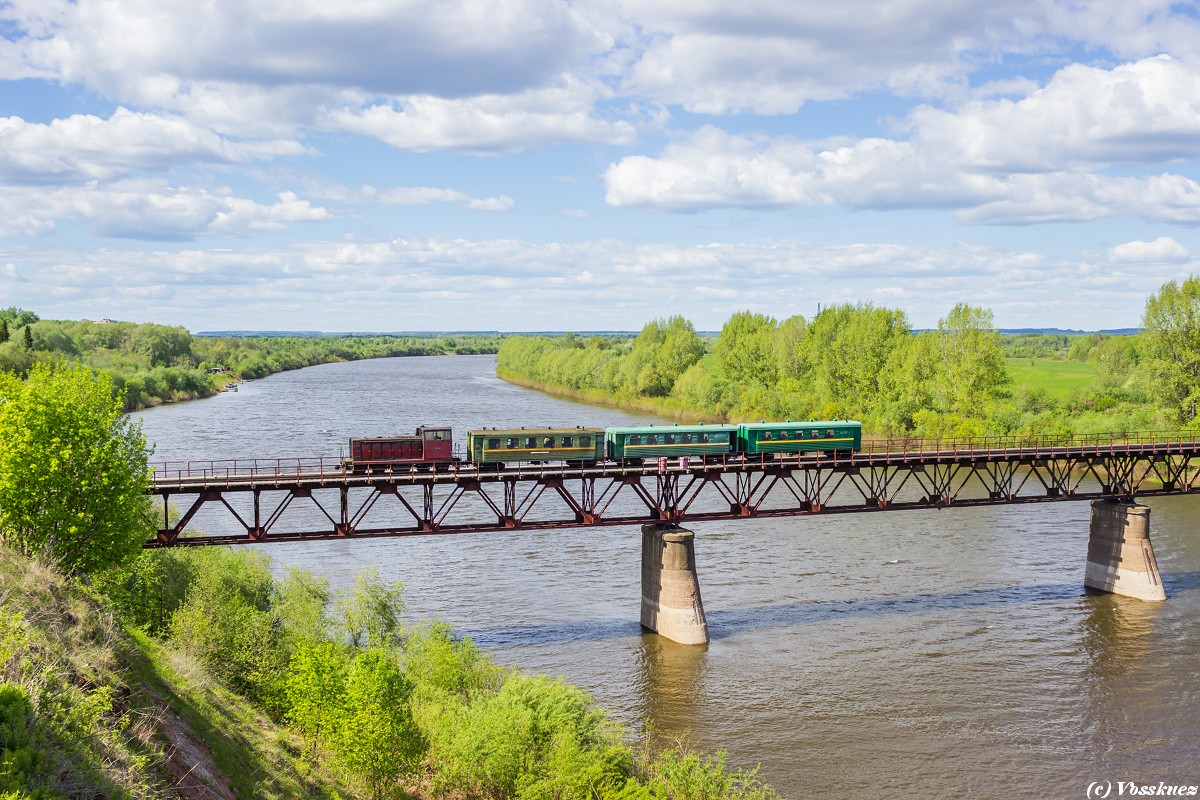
(668, 685)
(918, 654)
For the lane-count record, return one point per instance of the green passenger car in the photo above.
(799, 437)
(670, 441)
(535, 444)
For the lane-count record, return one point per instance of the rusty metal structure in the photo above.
(335, 503)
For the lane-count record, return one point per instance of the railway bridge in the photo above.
(309, 499)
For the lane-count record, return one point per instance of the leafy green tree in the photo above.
(73, 469)
(300, 604)
(376, 740)
(745, 351)
(370, 612)
(680, 349)
(161, 344)
(1172, 323)
(791, 350)
(3, 331)
(972, 359)
(315, 690)
(28, 339)
(854, 350)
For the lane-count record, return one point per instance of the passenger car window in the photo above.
(828, 434)
(635, 440)
(766, 436)
(493, 444)
(685, 438)
(567, 441)
(513, 444)
(585, 441)
(702, 438)
(669, 438)
(530, 442)
(652, 438)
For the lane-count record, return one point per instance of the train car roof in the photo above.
(674, 429)
(534, 431)
(799, 423)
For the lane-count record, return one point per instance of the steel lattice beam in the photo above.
(530, 497)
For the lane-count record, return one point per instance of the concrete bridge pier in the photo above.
(671, 605)
(1120, 558)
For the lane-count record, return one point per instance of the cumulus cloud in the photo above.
(772, 56)
(1164, 249)
(139, 209)
(84, 147)
(486, 124)
(994, 161)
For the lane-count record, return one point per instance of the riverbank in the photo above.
(648, 405)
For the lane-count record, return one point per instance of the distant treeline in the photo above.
(153, 364)
(863, 362)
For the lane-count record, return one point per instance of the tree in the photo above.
(745, 351)
(161, 344)
(370, 612)
(28, 339)
(1172, 323)
(73, 469)
(681, 348)
(972, 358)
(377, 740)
(3, 331)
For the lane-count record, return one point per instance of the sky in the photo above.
(511, 165)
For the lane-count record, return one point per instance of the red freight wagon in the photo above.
(428, 446)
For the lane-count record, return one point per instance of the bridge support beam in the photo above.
(1120, 558)
(671, 605)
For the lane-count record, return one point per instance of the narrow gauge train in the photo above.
(432, 446)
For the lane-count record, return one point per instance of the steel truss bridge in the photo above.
(883, 476)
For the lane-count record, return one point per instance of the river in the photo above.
(920, 654)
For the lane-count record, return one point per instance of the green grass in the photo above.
(1057, 377)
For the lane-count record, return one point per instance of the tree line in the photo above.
(866, 362)
(149, 363)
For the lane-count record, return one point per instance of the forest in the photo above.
(860, 361)
(151, 364)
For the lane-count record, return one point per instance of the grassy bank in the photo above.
(195, 673)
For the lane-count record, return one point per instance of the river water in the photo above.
(919, 654)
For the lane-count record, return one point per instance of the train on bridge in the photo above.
(433, 446)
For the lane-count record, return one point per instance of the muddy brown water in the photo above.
(912, 654)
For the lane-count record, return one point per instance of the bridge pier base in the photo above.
(1120, 558)
(671, 605)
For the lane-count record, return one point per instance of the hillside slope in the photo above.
(116, 714)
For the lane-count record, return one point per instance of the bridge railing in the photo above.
(925, 449)
(1002, 445)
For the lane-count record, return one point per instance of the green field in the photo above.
(1058, 377)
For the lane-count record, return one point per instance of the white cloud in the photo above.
(457, 49)
(427, 281)
(1164, 249)
(771, 56)
(83, 147)
(139, 209)
(995, 161)
(486, 124)
(413, 196)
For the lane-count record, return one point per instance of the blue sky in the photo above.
(537, 164)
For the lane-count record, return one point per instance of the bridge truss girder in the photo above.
(702, 493)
